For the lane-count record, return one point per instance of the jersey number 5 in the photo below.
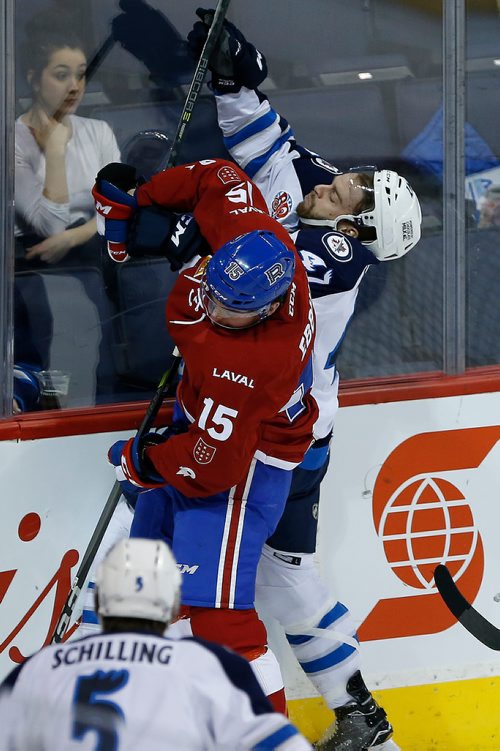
(221, 417)
(96, 714)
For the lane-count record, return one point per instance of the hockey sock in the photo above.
(243, 632)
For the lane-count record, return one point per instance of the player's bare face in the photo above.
(62, 82)
(340, 197)
(229, 319)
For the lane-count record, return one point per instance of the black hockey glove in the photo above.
(234, 62)
(155, 439)
(122, 176)
(158, 232)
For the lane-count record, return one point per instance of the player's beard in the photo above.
(305, 209)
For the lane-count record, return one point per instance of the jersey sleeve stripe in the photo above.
(276, 739)
(256, 164)
(10, 681)
(263, 122)
(241, 675)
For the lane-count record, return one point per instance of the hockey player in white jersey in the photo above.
(342, 222)
(132, 688)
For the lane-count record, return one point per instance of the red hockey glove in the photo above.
(131, 464)
(115, 207)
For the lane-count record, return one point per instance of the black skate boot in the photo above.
(359, 725)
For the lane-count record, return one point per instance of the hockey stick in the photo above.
(474, 622)
(170, 373)
(109, 508)
(197, 82)
(99, 56)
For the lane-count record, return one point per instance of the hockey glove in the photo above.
(158, 232)
(132, 466)
(115, 206)
(234, 62)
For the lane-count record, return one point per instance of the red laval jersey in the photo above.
(245, 392)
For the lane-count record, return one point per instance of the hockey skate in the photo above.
(359, 725)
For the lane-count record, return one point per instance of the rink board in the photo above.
(410, 484)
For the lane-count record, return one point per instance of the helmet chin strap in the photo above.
(333, 223)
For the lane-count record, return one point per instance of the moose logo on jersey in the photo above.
(281, 205)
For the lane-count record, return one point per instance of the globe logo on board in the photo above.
(427, 521)
(422, 516)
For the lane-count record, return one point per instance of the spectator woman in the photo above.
(57, 152)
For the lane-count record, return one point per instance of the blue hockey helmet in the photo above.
(249, 273)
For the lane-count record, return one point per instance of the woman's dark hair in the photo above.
(45, 34)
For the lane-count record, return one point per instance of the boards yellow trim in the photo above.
(454, 716)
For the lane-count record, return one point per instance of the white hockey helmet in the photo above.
(394, 213)
(396, 216)
(139, 578)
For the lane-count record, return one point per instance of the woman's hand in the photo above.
(54, 248)
(51, 135)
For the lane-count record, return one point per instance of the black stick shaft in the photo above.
(197, 82)
(109, 508)
(469, 617)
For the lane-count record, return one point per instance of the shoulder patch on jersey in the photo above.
(326, 165)
(203, 452)
(338, 246)
(281, 205)
(228, 174)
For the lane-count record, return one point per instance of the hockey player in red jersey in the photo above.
(243, 322)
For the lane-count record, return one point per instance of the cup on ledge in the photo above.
(54, 387)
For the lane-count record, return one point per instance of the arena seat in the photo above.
(373, 344)
(483, 321)
(417, 101)
(396, 327)
(483, 99)
(144, 345)
(70, 321)
(331, 121)
(202, 138)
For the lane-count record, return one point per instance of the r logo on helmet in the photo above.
(274, 273)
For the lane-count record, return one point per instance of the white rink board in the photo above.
(66, 481)
(351, 554)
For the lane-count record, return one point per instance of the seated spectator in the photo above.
(57, 153)
(159, 693)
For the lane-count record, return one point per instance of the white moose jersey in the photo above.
(136, 691)
(263, 144)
